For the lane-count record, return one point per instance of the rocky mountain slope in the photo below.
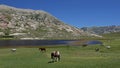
(102, 30)
(27, 23)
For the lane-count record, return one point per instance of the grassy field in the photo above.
(71, 57)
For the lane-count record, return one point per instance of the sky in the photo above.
(78, 13)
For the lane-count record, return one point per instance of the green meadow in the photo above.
(71, 57)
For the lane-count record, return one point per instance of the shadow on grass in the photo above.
(51, 62)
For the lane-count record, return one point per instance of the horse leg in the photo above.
(59, 57)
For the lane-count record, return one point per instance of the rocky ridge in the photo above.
(27, 23)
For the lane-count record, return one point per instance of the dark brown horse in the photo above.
(42, 49)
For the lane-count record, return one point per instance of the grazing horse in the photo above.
(42, 49)
(55, 56)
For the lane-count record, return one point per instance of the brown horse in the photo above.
(42, 49)
(55, 56)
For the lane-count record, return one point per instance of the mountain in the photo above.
(27, 23)
(102, 30)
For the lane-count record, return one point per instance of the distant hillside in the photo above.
(26, 23)
(102, 30)
(115, 35)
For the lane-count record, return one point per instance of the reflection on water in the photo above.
(9, 43)
(94, 42)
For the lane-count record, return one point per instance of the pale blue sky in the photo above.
(78, 13)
